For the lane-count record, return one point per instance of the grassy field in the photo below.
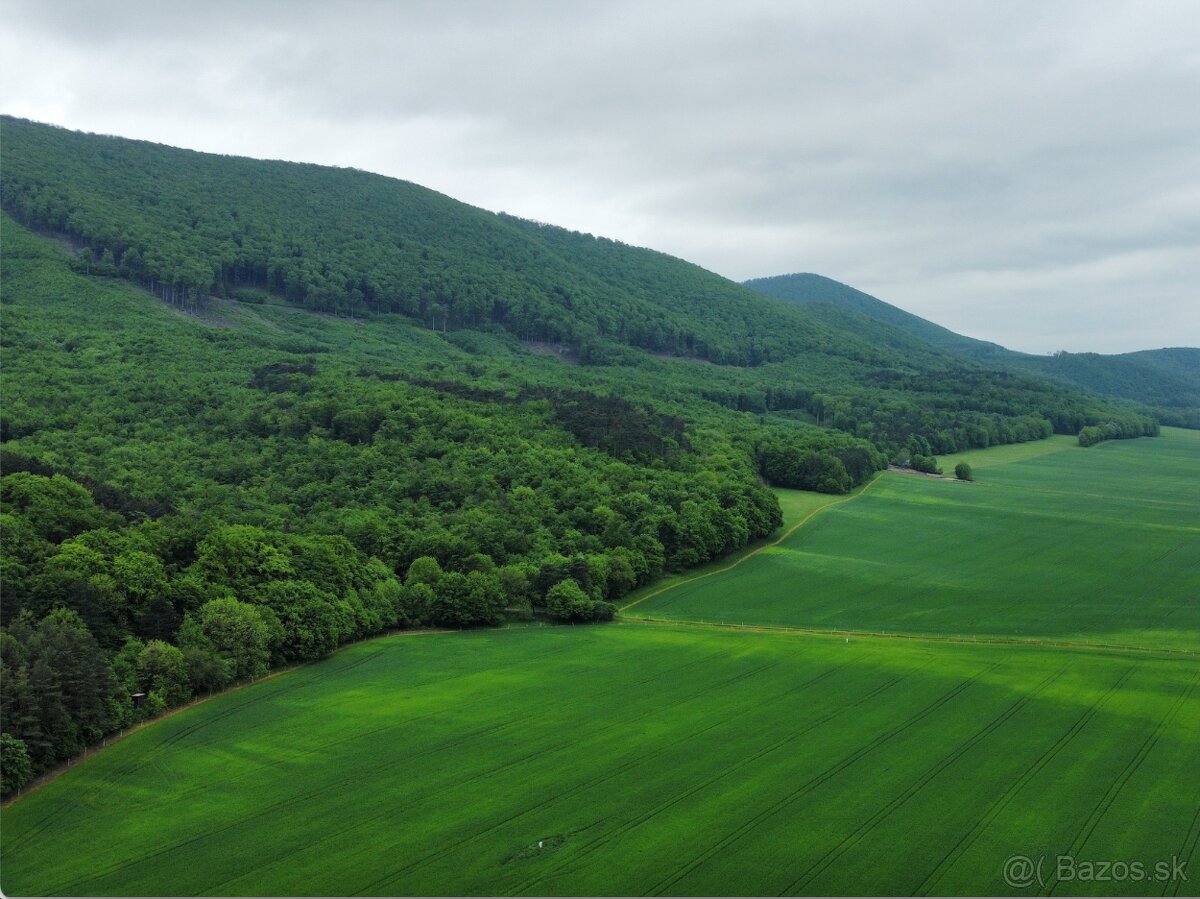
(1098, 544)
(1008, 453)
(798, 507)
(684, 758)
(634, 758)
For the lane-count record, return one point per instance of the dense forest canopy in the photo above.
(189, 225)
(252, 410)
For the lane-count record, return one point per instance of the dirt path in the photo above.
(920, 638)
(799, 524)
(923, 474)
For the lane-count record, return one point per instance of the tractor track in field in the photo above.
(642, 818)
(1190, 841)
(174, 738)
(566, 744)
(358, 735)
(373, 772)
(812, 783)
(529, 757)
(1110, 796)
(634, 762)
(994, 810)
(1048, 642)
(483, 775)
(362, 774)
(852, 839)
(754, 552)
(113, 739)
(67, 806)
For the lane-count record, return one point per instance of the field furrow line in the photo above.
(820, 865)
(399, 725)
(309, 676)
(813, 783)
(993, 811)
(610, 774)
(1114, 790)
(368, 773)
(1186, 852)
(34, 830)
(653, 812)
(566, 744)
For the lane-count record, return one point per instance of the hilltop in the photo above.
(1168, 380)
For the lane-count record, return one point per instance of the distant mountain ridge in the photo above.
(1167, 379)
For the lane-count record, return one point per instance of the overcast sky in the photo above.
(1027, 173)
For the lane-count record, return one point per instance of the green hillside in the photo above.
(824, 296)
(192, 226)
(188, 225)
(254, 410)
(1168, 379)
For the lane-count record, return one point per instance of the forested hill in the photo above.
(206, 474)
(189, 225)
(1167, 380)
(821, 293)
(194, 228)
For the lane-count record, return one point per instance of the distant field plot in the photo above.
(634, 759)
(1101, 544)
(798, 506)
(1008, 453)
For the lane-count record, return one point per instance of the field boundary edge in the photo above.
(754, 552)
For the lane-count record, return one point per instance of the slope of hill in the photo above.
(197, 489)
(189, 226)
(1168, 379)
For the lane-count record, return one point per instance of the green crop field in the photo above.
(1098, 545)
(635, 759)
(687, 758)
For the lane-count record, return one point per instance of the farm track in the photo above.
(850, 840)
(361, 774)
(993, 811)
(699, 786)
(1191, 841)
(845, 715)
(53, 774)
(918, 638)
(567, 745)
(1114, 790)
(591, 782)
(811, 784)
